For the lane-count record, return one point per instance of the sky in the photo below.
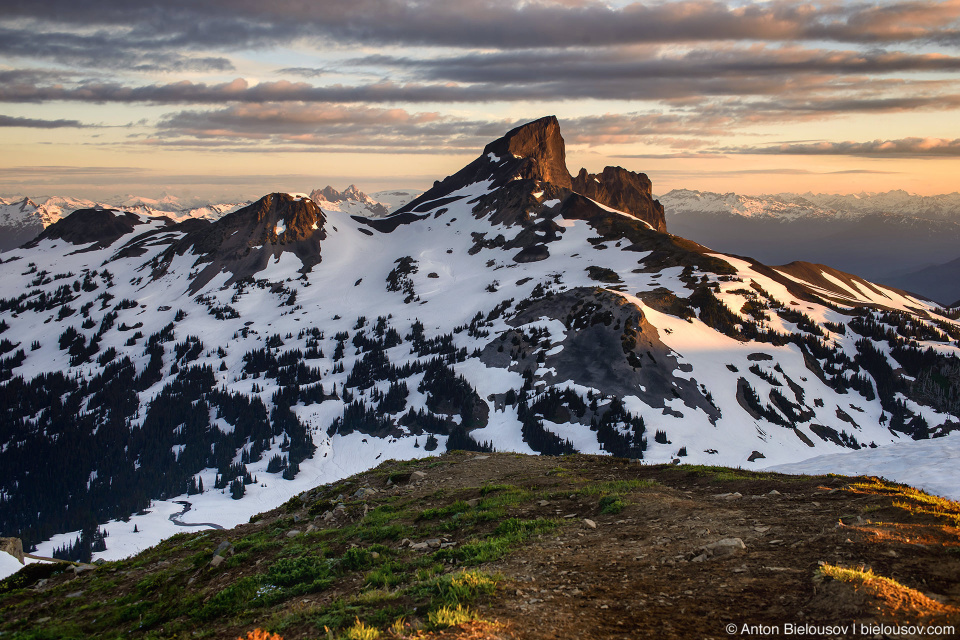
(230, 99)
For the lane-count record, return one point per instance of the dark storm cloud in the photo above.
(497, 23)
(35, 123)
(904, 147)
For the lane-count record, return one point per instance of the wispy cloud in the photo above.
(36, 123)
(904, 147)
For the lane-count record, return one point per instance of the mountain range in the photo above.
(229, 362)
(895, 238)
(22, 219)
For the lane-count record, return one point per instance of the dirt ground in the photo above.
(633, 576)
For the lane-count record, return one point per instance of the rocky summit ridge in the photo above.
(535, 153)
(231, 364)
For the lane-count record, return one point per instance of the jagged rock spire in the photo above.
(539, 141)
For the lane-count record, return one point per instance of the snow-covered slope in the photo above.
(930, 465)
(285, 345)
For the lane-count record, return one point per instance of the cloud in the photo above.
(40, 171)
(305, 72)
(106, 51)
(353, 128)
(653, 63)
(904, 147)
(498, 24)
(35, 123)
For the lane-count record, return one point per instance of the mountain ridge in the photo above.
(283, 345)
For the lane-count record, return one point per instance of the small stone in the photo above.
(472, 502)
(222, 548)
(725, 547)
(543, 503)
(590, 523)
(480, 457)
(296, 517)
(433, 543)
(604, 606)
(311, 528)
(374, 555)
(217, 561)
(762, 529)
(774, 493)
(417, 475)
(293, 533)
(420, 546)
(406, 542)
(570, 515)
(75, 594)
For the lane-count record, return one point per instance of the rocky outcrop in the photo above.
(242, 242)
(540, 146)
(85, 226)
(624, 190)
(13, 546)
(532, 158)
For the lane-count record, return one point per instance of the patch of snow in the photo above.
(932, 465)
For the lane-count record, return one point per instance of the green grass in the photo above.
(612, 504)
(615, 487)
(507, 536)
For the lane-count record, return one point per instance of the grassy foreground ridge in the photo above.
(512, 546)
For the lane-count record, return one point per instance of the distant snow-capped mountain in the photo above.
(353, 201)
(893, 238)
(793, 206)
(232, 363)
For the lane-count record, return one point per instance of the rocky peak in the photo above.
(242, 242)
(624, 190)
(541, 144)
(84, 226)
(535, 152)
(276, 217)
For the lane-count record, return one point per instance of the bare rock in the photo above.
(13, 546)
